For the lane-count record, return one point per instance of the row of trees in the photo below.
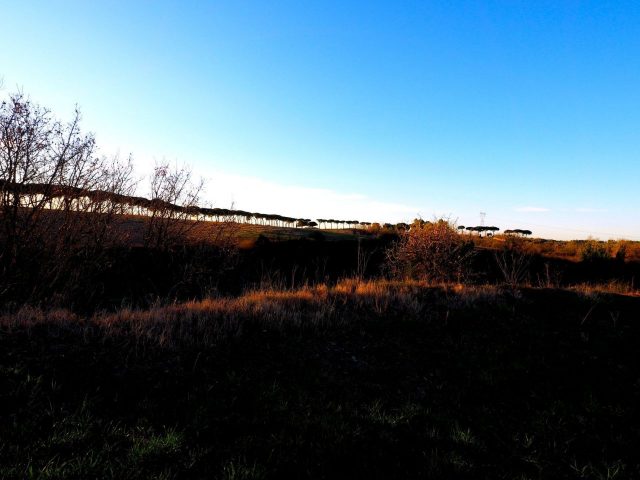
(332, 223)
(49, 165)
(62, 196)
(45, 164)
(53, 166)
(490, 230)
(61, 205)
(518, 231)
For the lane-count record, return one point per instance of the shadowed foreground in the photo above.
(362, 380)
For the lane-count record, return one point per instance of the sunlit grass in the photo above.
(389, 377)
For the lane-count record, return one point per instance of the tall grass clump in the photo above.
(513, 262)
(594, 251)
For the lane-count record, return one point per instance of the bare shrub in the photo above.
(57, 202)
(174, 228)
(363, 256)
(173, 208)
(431, 251)
(550, 276)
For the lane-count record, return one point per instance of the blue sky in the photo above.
(380, 111)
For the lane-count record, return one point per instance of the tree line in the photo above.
(46, 164)
(491, 230)
(61, 208)
(60, 197)
(50, 165)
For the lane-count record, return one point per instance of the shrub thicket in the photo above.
(54, 236)
(594, 251)
(431, 251)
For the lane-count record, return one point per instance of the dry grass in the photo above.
(480, 381)
(612, 287)
(314, 308)
(572, 250)
(210, 320)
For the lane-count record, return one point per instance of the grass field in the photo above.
(359, 380)
(246, 234)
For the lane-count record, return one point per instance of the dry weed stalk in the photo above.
(513, 261)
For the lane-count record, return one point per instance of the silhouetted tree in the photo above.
(50, 180)
(174, 198)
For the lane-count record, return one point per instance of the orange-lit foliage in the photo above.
(568, 249)
(431, 251)
(308, 308)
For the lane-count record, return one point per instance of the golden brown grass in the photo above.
(205, 322)
(612, 287)
(565, 249)
(310, 307)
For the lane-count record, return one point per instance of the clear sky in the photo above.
(380, 111)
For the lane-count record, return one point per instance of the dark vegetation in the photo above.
(361, 380)
(155, 338)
